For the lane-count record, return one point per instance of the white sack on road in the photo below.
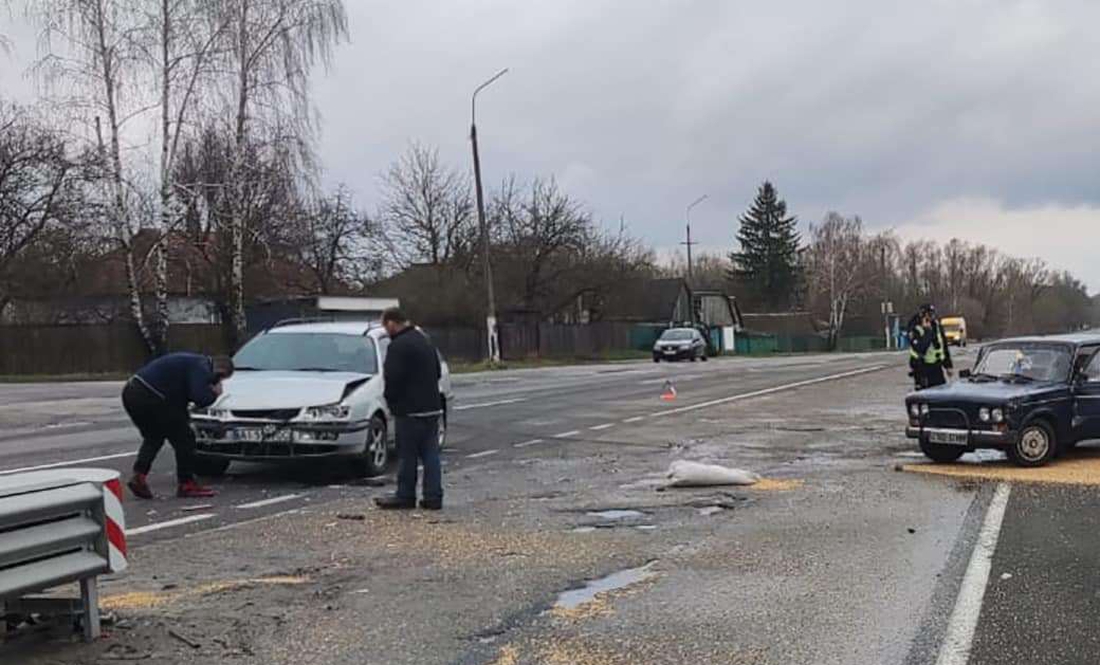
(683, 473)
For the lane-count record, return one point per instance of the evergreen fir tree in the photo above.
(769, 249)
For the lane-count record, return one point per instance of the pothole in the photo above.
(575, 598)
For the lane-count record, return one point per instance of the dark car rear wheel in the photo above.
(375, 457)
(1035, 446)
(940, 453)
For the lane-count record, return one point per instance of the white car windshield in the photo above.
(677, 335)
(315, 352)
(1037, 362)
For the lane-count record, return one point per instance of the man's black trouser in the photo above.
(418, 441)
(158, 420)
(929, 376)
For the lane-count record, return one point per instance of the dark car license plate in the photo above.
(948, 438)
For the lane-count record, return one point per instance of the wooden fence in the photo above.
(93, 349)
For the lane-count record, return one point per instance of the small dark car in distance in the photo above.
(1032, 397)
(680, 344)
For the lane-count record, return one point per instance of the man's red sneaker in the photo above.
(139, 485)
(193, 490)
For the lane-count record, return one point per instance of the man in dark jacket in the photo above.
(158, 400)
(411, 375)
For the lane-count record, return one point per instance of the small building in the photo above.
(265, 314)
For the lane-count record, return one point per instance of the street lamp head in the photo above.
(473, 99)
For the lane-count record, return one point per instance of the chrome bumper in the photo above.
(302, 439)
(974, 437)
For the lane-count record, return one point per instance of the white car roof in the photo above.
(332, 327)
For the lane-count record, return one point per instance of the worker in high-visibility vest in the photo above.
(929, 357)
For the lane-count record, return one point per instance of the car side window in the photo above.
(1092, 370)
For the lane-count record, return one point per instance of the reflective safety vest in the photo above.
(935, 355)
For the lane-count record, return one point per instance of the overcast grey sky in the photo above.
(940, 118)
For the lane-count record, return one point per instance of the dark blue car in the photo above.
(1032, 397)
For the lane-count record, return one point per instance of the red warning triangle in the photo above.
(669, 393)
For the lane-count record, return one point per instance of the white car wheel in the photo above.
(376, 452)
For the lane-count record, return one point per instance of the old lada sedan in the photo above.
(1032, 397)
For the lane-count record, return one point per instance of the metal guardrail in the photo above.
(56, 528)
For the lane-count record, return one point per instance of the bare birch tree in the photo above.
(837, 263)
(90, 48)
(271, 48)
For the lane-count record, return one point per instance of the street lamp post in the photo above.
(491, 313)
(689, 243)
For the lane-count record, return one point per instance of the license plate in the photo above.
(949, 438)
(670, 352)
(258, 435)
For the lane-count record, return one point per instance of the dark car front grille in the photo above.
(268, 414)
(947, 418)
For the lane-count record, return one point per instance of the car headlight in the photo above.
(924, 409)
(327, 412)
(998, 415)
(983, 414)
(914, 410)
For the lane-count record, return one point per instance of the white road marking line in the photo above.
(485, 405)
(169, 524)
(635, 419)
(270, 502)
(254, 520)
(566, 435)
(56, 465)
(600, 428)
(527, 444)
(767, 391)
(484, 453)
(964, 618)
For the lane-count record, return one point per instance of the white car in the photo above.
(306, 391)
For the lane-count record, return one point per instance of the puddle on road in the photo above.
(575, 598)
(617, 514)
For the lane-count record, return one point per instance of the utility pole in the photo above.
(689, 243)
(491, 311)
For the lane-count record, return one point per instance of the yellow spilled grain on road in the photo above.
(775, 485)
(147, 600)
(509, 655)
(1077, 468)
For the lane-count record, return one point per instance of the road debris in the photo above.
(183, 638)
(197, 507)
(616, 514)
(683, 473)
(354, 517)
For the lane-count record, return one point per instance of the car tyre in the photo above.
(376, 450)
(210, 467)
(656, 359)
(940, 453)
(1035, 446)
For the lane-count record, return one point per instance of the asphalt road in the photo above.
(986, 573)
(497, 414)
